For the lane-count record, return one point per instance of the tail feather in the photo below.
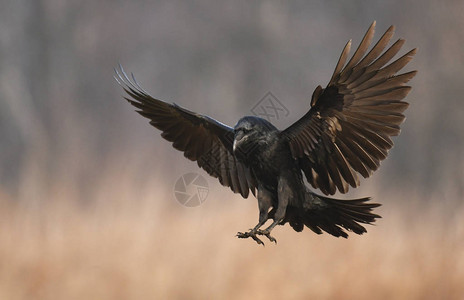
(333, 216)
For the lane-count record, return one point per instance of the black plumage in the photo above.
(347, 131)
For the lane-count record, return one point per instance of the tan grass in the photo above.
(117, 247)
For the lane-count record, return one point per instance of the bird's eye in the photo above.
(245, 130)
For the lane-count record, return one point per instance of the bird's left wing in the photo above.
(348, 128)
(201, 138)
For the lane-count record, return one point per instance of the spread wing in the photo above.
(349, 126)
(201, 138)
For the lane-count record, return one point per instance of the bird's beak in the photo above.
(238, 136)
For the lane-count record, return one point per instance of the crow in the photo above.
(347, 131)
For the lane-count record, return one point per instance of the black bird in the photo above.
(347, 131)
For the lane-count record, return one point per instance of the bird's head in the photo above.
(249, 133)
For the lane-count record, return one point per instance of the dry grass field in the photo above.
(87, 207)
(138, 243)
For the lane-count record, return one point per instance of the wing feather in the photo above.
(201, 138)
(348, 129)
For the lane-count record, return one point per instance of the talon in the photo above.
(257, 240)
(252, 234)
(267, 234)
(242, 235)
(272, 239)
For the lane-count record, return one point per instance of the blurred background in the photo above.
(87, 203)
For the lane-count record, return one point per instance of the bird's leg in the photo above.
(284, 191)
(252, 233)
(264, 203)
(267, 232)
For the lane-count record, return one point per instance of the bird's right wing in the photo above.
(201, 138)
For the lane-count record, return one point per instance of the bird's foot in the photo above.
(267, 234)
(252, 234)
